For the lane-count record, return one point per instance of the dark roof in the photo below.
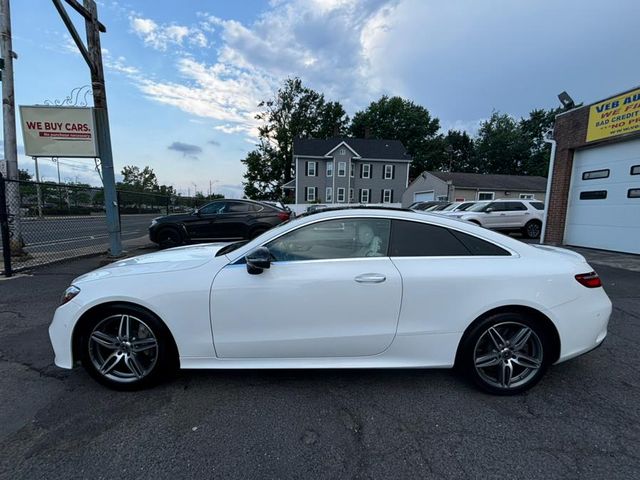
(365, 147)
(494, 182)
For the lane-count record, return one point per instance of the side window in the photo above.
(498, 206)
(213, 208)
(415, 239)
(537, 205)
(334, 239)
(236, 207)
(478, 246)
(515, 206)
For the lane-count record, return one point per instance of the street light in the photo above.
(566, 100)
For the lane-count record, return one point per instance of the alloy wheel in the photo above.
(123, 348)
(508, 355)
(533, 230)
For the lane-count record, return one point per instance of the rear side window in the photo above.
(512, 206)
(478, 246)
(537, 205)
(413, 239)
(237, 207)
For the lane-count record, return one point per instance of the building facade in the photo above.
(594, 195)
(459, 187)
(349, 170)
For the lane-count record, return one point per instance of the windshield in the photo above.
(479, 207)
(231, 247)
(450, 208)
(465, 206)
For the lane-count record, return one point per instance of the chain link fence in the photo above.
(43, 223)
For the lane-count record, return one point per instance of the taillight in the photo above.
(589, 280)
(283, 216)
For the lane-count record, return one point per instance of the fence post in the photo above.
(4, 229)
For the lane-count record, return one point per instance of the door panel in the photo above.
(297, 309)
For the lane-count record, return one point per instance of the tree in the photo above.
(500, 146)
(296, 111)
(144, 180)
(460, 150)
(24, 175)
(534, 129)
(395, 118)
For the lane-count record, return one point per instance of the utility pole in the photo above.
(9, 116)
(92, 55)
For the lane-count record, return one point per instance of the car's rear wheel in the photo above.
(532, 229)
(169, 237)
(506, 353)
(126, 348)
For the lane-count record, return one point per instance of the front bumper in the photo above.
(60, 333)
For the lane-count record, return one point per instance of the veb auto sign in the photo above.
(58, 131)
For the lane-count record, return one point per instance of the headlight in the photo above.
(69, 293)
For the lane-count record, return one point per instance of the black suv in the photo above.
(222, 220)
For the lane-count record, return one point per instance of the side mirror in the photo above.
(196, 212)
(257, 260)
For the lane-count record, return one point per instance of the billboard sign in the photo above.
(58, 131)
(615, 116)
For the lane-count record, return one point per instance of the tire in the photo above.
(169, 237)
(257, 232)
(505, 354)
(532, 229)
(126, 348)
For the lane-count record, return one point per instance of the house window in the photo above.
(527, 196)
(329, 169)
(342, 151)
(311, 169)
(365, 170)
(442, 198)
(342, 169)
(341, 195)
(352, 170)
(388, 172)
(486, 195)
(328, 195)
(594, 174)
(311, 194)
(387, 195)
(351, 195)
(364, 195)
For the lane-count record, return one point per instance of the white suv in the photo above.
(507, 215)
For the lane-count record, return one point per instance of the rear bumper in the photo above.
(582, 323)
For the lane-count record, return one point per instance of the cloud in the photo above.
(161, 36)
(215, 143)
(324, 42)
(187, 149)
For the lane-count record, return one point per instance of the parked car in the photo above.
(507, 216)
(316, 208)
(456, 207)
(221, 220)
(421, 206)
(354, 288)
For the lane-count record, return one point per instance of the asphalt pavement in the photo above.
(581, 422)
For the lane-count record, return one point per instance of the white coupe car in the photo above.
(352, 288)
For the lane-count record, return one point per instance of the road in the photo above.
(581, 422)
(59, 234)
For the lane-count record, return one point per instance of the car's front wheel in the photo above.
(506, 354)
(126, 348)
(169, 237)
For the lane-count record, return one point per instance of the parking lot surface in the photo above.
(581, 422)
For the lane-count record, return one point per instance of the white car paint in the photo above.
(314, 314)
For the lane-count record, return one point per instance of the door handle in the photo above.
(370, 278)
(502, 214)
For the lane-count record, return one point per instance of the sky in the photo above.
(184, 78)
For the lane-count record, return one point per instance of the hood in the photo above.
(171, 260)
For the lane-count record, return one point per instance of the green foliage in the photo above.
(296, 111)
(394, 118)
(144, 180)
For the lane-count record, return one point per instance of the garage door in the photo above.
(604, 198)
(423, 196)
